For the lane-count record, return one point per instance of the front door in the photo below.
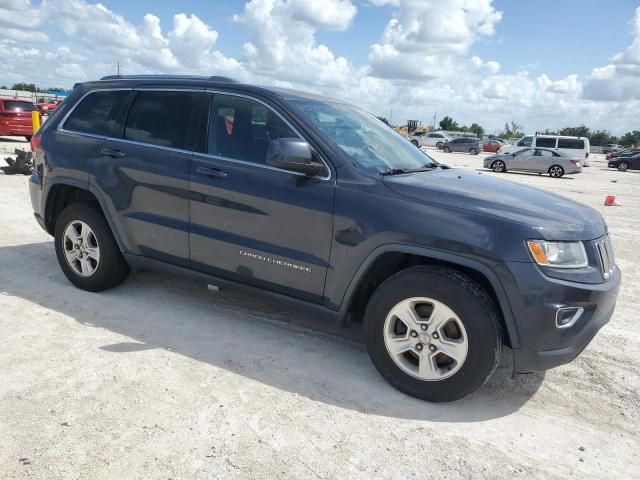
(251, 222)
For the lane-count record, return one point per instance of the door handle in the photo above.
(110, 152)
(211, 172)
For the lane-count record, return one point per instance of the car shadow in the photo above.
(13, 140)
(527, 174)
(276, 345)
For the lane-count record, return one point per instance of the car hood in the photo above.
(552, 216)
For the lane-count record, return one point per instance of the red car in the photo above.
(15, 117)
(46, 108)
(492, 145)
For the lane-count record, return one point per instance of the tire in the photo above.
(470, 305)
(446, 149)
(498, 166)
(439, 145)
(623, 166)
(556, 171)
(473, 151)
(28, 137)
(105, 265)
(415, 142)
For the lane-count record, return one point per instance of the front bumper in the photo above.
(536, 298)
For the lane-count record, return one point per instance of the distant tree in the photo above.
(4, 87)
(477, 130)
(631, 138)
(447, 123)
(602, 137)
(29, 87)
(548, 131)
(384, 120)
(580, 131)
(513, 129)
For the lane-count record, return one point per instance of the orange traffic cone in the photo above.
(610, 201)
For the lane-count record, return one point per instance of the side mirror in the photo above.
(293, 154)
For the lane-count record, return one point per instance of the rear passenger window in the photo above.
(241, 128)
(571, 143)
(545, 142)
(97, 113)
(163, 118)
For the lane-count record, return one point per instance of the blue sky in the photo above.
(543, 63)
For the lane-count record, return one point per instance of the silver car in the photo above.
(536, 160)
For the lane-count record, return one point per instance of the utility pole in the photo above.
(118, 67)
(434, 120)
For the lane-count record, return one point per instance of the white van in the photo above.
(575, 147)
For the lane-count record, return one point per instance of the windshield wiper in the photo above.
(394, 171)
(400, 171)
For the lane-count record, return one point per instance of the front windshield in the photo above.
(372, 144)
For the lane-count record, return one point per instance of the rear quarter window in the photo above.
(97, 113)
(572, 143)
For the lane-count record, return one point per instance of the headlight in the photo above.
(558, 254)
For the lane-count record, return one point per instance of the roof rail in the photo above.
(168, 77)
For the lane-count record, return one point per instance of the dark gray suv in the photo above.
(314, 201)
(464, 144)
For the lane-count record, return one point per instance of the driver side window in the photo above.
(525, 142)
(241, 129)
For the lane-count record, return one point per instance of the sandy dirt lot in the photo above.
(161, 378)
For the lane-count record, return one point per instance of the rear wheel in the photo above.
(446, 149)
(473, 151)
(439, 145)
(556, 171)
(433, 333)
(86, 250)
(623, 166)
(498, 166)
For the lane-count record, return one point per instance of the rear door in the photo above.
(145, 173)
(542, 160)
(251, 222)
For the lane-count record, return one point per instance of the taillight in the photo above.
(576, 162)
(35, 142)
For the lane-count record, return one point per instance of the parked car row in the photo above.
(46, 108)
(628, 160)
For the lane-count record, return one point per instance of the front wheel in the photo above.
(498, 166)
(439, 145)
(446, 150)
(433, 333)
(623, 167)
(415, 142)
(86, 250)
(556, 171)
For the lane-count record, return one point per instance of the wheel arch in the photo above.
(387, 260)
(65, 191)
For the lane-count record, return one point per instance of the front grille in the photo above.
(607, 262)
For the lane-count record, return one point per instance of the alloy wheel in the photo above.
(498, 166)
(556, 171)
(425, 338)
(81, 249)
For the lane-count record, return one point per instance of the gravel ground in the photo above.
(161, 378)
